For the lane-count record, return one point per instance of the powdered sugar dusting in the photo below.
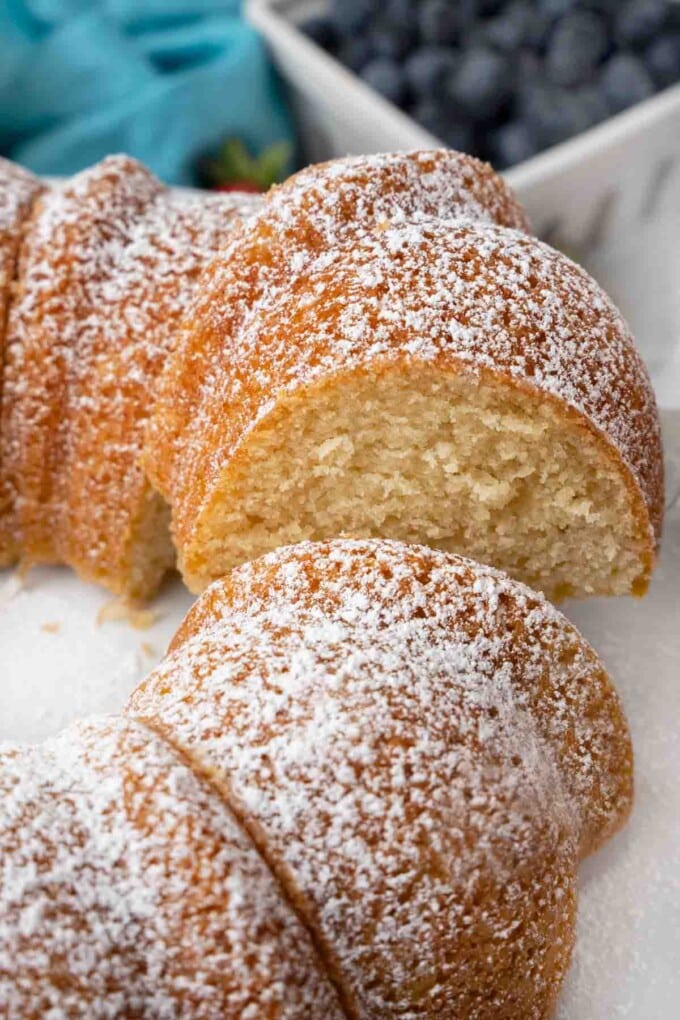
(331, 198)
(419, 744)
(129, 890)
(329, 278)
(18, 189)
(111, 262)
(314, 213)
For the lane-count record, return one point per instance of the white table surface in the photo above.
(57, 662)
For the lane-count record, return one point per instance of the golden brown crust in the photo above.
(129, 890)
(443, 184)
(464, 297)
(110, 262)
(358, 786)
(18, 191)
(69, 226)
(421, 749)
(315, 212)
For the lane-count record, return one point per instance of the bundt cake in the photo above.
(18, 191)
(358, 786)
(380, 348)
(421, 749)
(383, 350)
(129, 890)
(109, 262)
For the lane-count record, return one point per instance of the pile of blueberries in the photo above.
(503, 79)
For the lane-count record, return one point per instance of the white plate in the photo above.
(57, 663)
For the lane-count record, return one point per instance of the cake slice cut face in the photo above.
(456, 384)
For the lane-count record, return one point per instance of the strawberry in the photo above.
(235, 169)
(248, 186)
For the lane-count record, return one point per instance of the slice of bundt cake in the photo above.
(59, 272)
(128, 890)
(18, 191)
(422, 750)
(109, 265)
(431, 378)
(311, 214)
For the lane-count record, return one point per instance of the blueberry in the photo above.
(539, 30)
(439, 21)
(639, 21)
(399, 11)
(662, 58)
(320, 30)
(577, 45)
(403, 13)
(351, 16)
(552, 114)
(536, 107)
(556, 8)
(512, 143)
(394, 41)
(459, 135)
(594, 107)
(386, 77)
(485, 7)
(430, 115)
(470, 11)
(625, 81)
(428, 68)
(356, 51)
(482, 84)
(585, 107)
(606, 7)
(529, 65)
(509, 30)
(440, 121)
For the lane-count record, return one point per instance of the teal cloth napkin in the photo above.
(164, 80)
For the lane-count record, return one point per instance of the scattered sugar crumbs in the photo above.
(118, 610)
